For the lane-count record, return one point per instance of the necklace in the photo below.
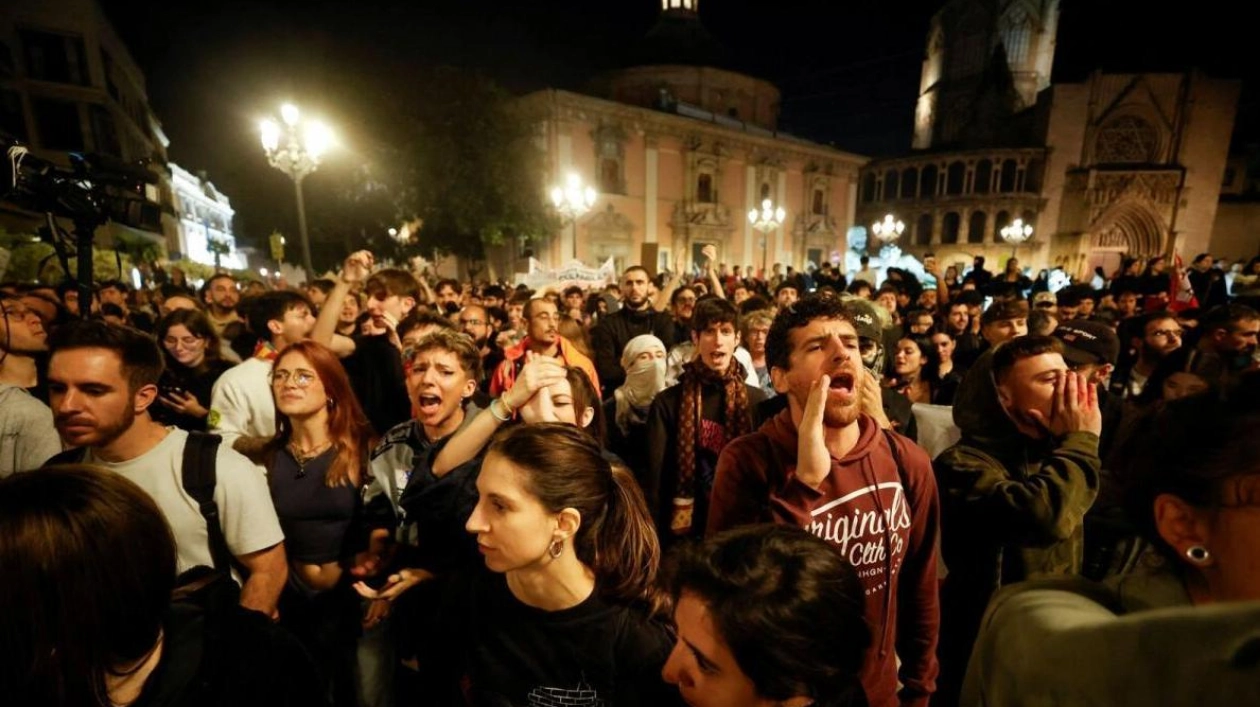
(303, 457)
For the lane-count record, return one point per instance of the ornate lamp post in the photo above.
(888, 230)
(572, 201)
(1016, 233)
(295, 147)
(765, 220)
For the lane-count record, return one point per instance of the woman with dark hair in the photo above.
(572, 401)
(86, 613)
(316, 467)
(566, 610)
(1127, 278)
(1155, 282)
(193, 365)
(1191, 480)
(915, 372)
(1247, 283)
(767, 615)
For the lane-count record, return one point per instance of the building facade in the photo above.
(679, 153)
(68, 84)
(205, 216)
(1113, 165)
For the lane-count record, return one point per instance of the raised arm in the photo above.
(354, 271)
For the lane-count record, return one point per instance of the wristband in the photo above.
(503, 401)
(506, 417)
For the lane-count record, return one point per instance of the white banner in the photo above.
(575, 272)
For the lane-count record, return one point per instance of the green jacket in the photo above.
(1011, 507)
(1074, 643)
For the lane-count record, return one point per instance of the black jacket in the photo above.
(610, 336)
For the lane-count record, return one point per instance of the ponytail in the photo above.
(628, 552)
(565, 468)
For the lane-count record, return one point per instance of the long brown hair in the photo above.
(348, 426)
(197, 324)
(565, 468)
(89, 566)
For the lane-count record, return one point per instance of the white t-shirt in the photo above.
(246, 514)
(241, 402)
(27, 435)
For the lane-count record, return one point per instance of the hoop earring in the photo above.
(1198, 554)
(555, 549)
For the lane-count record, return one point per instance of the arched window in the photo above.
(909, 180)
(1033, 174)
(923, 231)
(1016, 34)
(1009, 168)
(868, 188)
(1126, 138)
(704, 189)
(927, 182)
(890, 185)
(954, 178)
(818, 206)
(975, 227)
(984, 173)
(949, 227)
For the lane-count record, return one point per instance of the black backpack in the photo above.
(199, 476)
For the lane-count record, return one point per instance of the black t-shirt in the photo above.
(376, 372)
(199, 382)
(490, 649)
(316, 519)
(233, 658)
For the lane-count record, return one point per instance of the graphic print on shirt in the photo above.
(863, 524)
(581, 696)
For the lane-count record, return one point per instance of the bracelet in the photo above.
(505, 418)
(508, 408)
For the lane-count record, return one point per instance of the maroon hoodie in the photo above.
(883, 520)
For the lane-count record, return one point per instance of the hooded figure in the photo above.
(1011, 508)
(629, 406)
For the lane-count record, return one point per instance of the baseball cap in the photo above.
(1044, 298)
(865, 320)
(1002, 310)
(1088, 342)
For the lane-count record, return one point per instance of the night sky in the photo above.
(849, 69)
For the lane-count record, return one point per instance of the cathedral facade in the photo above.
(1116, 164)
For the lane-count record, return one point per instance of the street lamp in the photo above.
(571, 201)
(888, 230)
(1016, 233)
(766, 220)
(295, 147)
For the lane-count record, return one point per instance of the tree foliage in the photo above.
(478, 170)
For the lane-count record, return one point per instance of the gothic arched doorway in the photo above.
(1129, 228)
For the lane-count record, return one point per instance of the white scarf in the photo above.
(644, 379)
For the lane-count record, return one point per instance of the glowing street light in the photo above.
(572, 201)
(766, 220)
(1016, 233)
(296, 146)
(888, 230)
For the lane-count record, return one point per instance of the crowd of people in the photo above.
(823, 488)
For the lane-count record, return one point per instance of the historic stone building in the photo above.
(69, 84)
(679, 151)
(1116, 164)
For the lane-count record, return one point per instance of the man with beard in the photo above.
(1227, 345)
(101, 381)
(825, 464)
(682, 304)
(447, 295)
(1015, 488)
(221, 297)
(690, 423)
(474, 321)
(542, 320)
(1151, 338)
(27, 435)
(635, 317)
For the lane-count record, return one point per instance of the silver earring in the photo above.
(556, 549)
(1198, 554)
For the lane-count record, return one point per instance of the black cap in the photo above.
(1088, 342)
(865, 319)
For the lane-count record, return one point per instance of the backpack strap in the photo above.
(199, 478)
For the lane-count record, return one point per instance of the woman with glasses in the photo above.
(315, 467)
(193, 364)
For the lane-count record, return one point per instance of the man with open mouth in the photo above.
(828, 465)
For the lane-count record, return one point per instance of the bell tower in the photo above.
(964, 38)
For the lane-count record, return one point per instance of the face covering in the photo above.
(644, 379)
